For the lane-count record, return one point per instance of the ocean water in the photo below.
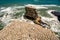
(23, 2)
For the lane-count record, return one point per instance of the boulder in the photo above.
(56, 13)
(33, 15)
(30, 13)
(17, 30)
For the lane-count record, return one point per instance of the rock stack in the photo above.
(17, 30)
(33, 15)
(30, 13)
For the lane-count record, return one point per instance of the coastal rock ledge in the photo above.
(17, 30)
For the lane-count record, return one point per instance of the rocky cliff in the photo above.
(17, 30)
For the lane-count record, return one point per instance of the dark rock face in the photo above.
(30, 13)
(33, 15)
(58, 18)
(56, 14)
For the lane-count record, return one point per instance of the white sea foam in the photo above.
(6, 18)
(55, 26)
(2, 8)
(54, 29)
(36, 6)
(50, 19)
(18, 6)
(48, 5)
(43, 5)
(7, 10)
(10, 11)
(49, 12)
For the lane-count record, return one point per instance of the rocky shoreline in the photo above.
(17, 30)
(33, 18)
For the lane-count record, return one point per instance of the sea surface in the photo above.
(24, 2)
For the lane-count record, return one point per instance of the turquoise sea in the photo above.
(23, 2)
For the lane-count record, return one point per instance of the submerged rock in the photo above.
(17, 30)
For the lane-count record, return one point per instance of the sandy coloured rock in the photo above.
(17, 30)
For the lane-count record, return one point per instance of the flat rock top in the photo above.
(17, 30)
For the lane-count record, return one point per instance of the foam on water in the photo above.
(49, 12)
(18, 6)
(8, 13)
(7, 10)
(37, 6)
(2, 8)
(43, 5)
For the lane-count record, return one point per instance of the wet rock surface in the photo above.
(17, 30)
